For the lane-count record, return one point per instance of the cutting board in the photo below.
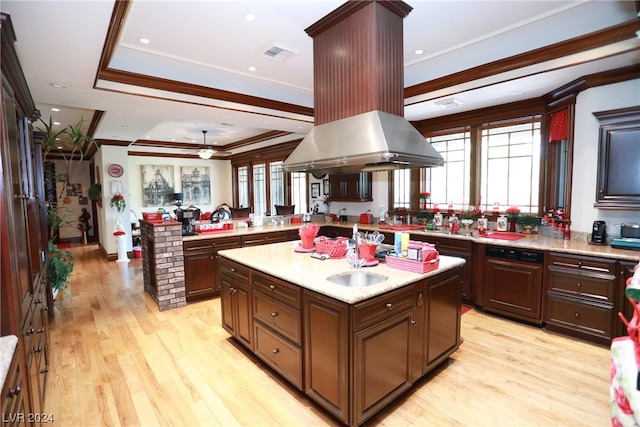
(505, 236)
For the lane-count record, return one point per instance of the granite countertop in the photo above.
(577, 245)
(311, 273)
(8, 346)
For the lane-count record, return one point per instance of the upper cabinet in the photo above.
(354, 187)
(619, 159)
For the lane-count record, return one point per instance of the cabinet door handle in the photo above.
(29, 331)
(413, 322)
(274, 314)
(389, 305)
(272, 287)
(37, 349)
(45, 370)
(13, 391)
(577, 315)
(233, 270)
(579, 285)
(275, 350)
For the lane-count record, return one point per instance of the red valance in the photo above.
(559, 127)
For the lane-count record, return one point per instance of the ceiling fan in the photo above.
(205, 151)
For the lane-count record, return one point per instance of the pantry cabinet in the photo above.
(354, 187)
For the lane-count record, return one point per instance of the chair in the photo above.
(285, 209)
(240, 212)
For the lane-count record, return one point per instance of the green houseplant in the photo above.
(528, 222)
(95, 193)
(70, 144)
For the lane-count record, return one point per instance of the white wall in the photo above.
(131, 184)
(585, 156)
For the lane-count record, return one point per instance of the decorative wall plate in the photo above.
(115, 170)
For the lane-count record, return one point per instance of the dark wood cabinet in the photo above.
(580, 296)
(199, 271)
(452, 247)
(25, 289)
(236, 302)
(618, 184)
(354, 187)
(513, 288)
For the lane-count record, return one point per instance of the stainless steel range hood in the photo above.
(372, 141)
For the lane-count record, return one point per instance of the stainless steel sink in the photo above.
(356, 278)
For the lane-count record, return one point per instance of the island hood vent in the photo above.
(372, 141)
(359, 95)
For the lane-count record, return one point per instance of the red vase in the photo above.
(512, 225)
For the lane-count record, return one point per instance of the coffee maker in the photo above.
(188, 218)
(599, 233)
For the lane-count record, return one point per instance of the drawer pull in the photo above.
(275, 350)
(29, 331)
(37, 349)
(15, 390)
(272, 287)
(413, 322)
(577, 315)
(233, 270)
(45, 370)
(389, 305)
(579, 285)
(38, 301)
(274, 314)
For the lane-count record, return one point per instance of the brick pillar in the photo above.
(163, 263)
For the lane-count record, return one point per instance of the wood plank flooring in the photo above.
(117, 361)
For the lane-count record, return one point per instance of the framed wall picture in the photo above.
(315, 190)
(325, 187)
(83, 200)
(74, 189)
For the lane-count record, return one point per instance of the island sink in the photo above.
(356, 279)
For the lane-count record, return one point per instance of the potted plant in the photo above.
(513, 213)
(467, 216)
(118, 202)
(528, 222)
(95, 193)
(59, 269)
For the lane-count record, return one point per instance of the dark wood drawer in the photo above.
(379, 308)
(447, 245)
(234, 270)
(280, 354)
(197, 245)
(582, 285)
(583, 264)
(264, 238)
(279, 316)
(580, 315)
(283, 291)
(221, 243)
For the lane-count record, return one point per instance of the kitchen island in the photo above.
(353, 350)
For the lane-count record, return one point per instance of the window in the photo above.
(496, 162)
(402, 188)
(243, 186)
(511, 165)
(299, 191)
(449, 184)
(259, 189)
(276, 185)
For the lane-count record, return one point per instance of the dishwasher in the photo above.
(513, 283)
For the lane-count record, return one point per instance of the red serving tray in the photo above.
(504, 236)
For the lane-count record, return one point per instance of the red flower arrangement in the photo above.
(118, 202)
(513, 212)
(425, 195)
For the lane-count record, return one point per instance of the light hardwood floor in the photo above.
(117, 360)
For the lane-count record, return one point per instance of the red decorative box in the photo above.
(411, 265)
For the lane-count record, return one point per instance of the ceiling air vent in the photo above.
(278, 52)
(449, 103)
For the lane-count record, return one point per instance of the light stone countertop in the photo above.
(577, 245)
(280, 260)
(8, 346)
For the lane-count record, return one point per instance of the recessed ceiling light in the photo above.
(252, 68)
(58, 85)
(147, 137)
(516, 92)
(59, 147)
(56, 123)
(418, 51)
(250, 17)
(55, 109)
(125, 126)
(144, 41)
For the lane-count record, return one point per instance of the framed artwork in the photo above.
(196, 185)
(315, 190)
(62, 177)
(74, 189)
(325, 187)
(157, 185)
(83, 200)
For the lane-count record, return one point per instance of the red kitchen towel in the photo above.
(505, 236)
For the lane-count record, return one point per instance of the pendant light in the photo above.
(204, 151)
